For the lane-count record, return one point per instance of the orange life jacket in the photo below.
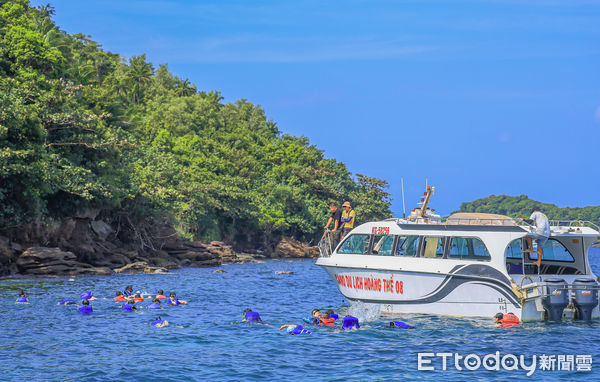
(119, 298)
(160, 297)
(509, 320)
(138, 299)
(327, 321)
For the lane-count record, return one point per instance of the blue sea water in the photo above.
(44, 341)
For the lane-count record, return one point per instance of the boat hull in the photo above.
(457, 293)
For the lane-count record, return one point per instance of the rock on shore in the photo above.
(86, 244)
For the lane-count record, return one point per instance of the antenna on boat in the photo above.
(403, 205)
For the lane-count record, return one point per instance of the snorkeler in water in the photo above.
(295, 329)
(314, 317)
(332, 314)
(350, 322)
(120, 297)
(67, 302)
(251, 316)
(138, 298)
(400, 325)
(128, 292)
(22, 298)
(155, 304)
(159, 322)
(129, 306)
(161, 295)
(174, 301)
(85, 308)
(326, 320)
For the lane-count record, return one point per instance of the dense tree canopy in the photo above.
(520, 207)
(82, 127)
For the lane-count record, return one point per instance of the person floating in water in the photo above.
(174, 301)
(332, 314)
(87, 296)
(120, 297)
(159, 322)
(326, 320)
(155, 304)
(129, 306)
(138, 298)
(350, 322)
(540, 234)
(400, 325)
(161, 295)
(128, 292)
(506, 321)
(314, 317)
(22, 297)
(85, 307)
(295, 329)
(251, 316)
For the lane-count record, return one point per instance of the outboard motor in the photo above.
(585, 297)
(556, 298)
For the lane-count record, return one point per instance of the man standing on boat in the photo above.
(540, 234)
(348, 217)
(336, 217)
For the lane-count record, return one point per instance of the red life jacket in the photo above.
(119, 298)
(138, 299)
(508, 321)
(327, 321)
(160, 297)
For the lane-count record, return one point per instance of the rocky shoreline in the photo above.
(90, 245)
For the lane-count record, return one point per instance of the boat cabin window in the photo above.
(408, 246)
(382, 245)
(433, 246)
(355, 244)
(553, 251)
(468, 248)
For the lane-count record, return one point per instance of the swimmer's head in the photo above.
(156, 300)
(325, 315)
(172, 294)
(129, 288)
(119, 294)
(316, 313)
(498, 317)
(131, 302)
(247, 310)
(85, 302)
(160, 291)
(138, 296)
(21, 293)
(329, 311)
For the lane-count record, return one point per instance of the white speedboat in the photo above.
(471, 264)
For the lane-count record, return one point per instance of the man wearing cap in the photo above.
(348, 217)
(336, 217)
(540, 234)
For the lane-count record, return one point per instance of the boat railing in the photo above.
(574, 224)
(481, 221)
(327, 243)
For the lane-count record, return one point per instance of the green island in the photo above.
(107, 162)
(520, 207)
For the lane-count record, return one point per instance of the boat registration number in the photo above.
(380, 231)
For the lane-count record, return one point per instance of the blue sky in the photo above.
(480, 98)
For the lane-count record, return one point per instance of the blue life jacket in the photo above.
(85, 309)
(176, 302)
(66, 302)
(252, 316)
(126, 293)
(334, 316)
(154, 305)
(86, 295)
(350, 322)
(297, 330)
(311, 320)
(400, 325)
(156, 322)
(22, 299)
(128, 307)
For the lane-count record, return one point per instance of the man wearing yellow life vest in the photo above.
(348, 218)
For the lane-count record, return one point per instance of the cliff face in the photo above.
(87, 244)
